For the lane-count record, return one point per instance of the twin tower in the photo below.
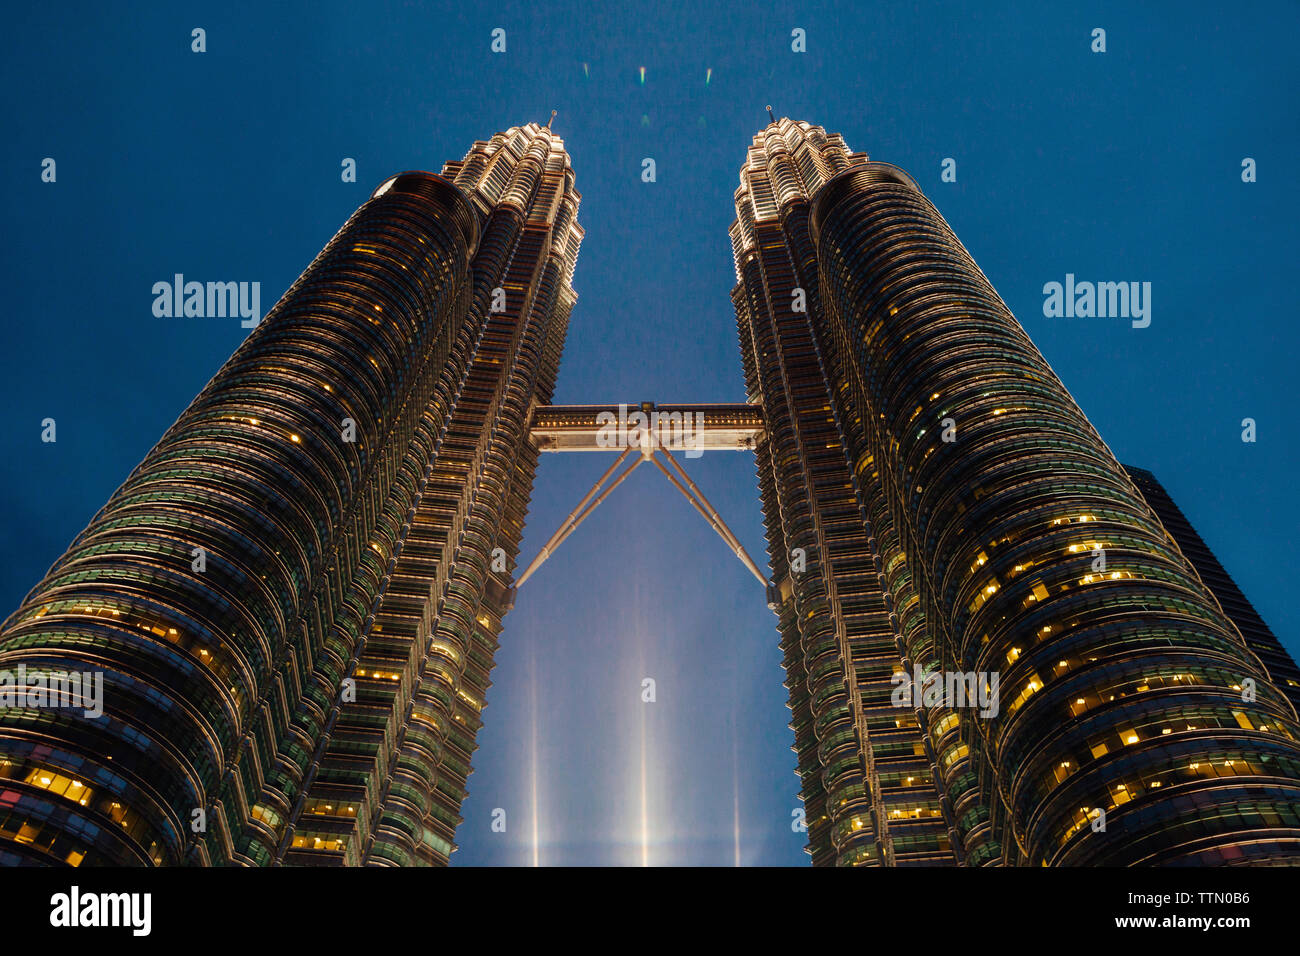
(998, 652)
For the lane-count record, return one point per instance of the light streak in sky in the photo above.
(735, 797)
(537, 848)
(645, 799)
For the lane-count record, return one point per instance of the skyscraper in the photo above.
(1001, 647)
(867, 783)
(294, 600)
(939, 508)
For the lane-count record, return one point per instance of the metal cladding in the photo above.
(868, 783)
(294, 600)
(1133, 723)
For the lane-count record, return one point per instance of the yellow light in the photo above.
(294, 438)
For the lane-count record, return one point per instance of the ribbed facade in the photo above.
(1135, 725)
(869, 780)
(295, 599)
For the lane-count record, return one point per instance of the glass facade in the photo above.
(869, 780)
(987, 530)
(294, 600)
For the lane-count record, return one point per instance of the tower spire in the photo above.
(551, 120)
(770, 114)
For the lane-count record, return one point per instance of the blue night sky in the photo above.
(1123, 166)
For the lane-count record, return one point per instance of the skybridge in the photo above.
(641, 433)
(694, 429)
